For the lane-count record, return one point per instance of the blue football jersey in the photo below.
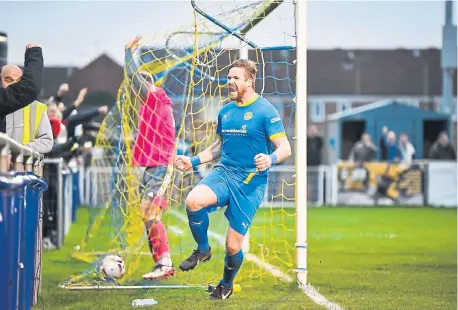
(247, 130)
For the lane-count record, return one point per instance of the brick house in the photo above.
(102, 77)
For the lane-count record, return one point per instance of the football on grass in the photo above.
(113, 267)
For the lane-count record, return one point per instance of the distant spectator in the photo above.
(88, 140)
(74, 120)
(406, 149)
(58, 97)
(364, 150)
(314, 146)
(383, 146)
(392, 151)
(442, 149)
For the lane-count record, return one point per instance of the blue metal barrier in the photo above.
(66, 202)
(20, 205)
(9, 261)
(19, 214)
(29, 227)
(4, 229)
(76, 195)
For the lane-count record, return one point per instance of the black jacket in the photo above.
(74, 120)
(60, 148)
(440, 152)
(314, 146)
(24, 92)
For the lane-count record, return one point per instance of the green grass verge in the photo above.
(361, 258)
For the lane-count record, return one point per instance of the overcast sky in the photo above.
(76, 32)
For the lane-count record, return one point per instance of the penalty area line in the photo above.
(308, 290)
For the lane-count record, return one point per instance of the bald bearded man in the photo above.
(30, 125)
(26, 88)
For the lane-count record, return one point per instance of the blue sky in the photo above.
(76, 32)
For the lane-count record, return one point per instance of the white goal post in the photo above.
(301, 137)
(301, 141)
(243, 54)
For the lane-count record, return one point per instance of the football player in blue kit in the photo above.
(249, 128)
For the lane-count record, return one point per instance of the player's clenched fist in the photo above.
(183, 163)
(263, 161)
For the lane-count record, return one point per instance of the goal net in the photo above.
(190, 64)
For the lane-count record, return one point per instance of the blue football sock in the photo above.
(198, 222)
(232, 265)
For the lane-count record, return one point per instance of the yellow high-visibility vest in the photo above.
(33, 111)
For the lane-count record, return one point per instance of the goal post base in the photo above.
(301, 277)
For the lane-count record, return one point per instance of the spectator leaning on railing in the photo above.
(442, 149)
(364, 150)
(393, 153)
(30, 125)
(314, 146)
(406, 149)
(27, 87)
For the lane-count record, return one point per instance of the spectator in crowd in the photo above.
(71, 121)
(71, 109)
(24, 89)
(66, 145)
(442, 149)
(30, 125)
(364, 150)
(66, 115)
(88, 140)
(314, 146)
(391, 150)
(406, 149)
(383, 146)
(58, 97)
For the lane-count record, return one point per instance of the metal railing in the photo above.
(21, 188)
(61, 200)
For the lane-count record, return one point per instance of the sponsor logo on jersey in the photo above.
(236, 132)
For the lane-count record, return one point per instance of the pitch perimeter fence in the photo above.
(21, 188)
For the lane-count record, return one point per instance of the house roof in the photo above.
(388, 107)
(53, 77)
(395, 72)
(103, 74)
(386, 72)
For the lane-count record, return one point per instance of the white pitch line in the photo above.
(270, 268)
(318, 298)
(176, 230)
(309, 290)
(127, 287)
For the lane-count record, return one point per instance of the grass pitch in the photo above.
(360, 258)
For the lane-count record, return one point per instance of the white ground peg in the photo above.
(144, 302)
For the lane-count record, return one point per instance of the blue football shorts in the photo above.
(241, 192)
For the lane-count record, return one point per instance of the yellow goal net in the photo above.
(190, 64)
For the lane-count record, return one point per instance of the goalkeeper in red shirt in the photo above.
(154, 149)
